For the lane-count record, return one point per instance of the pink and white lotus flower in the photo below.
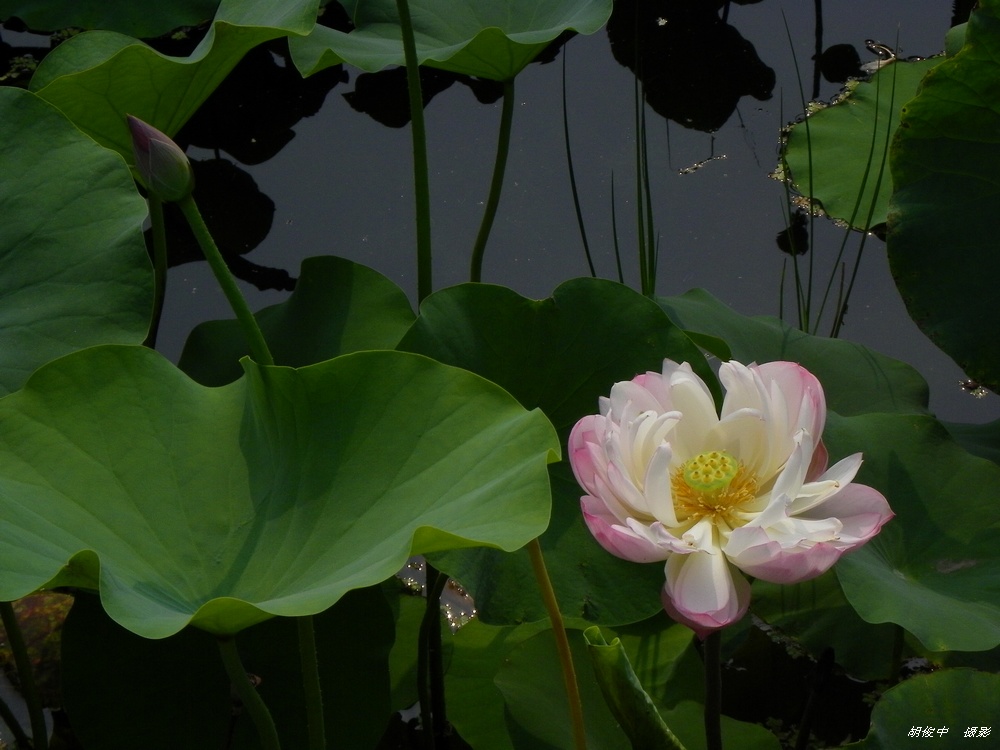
(668, 478)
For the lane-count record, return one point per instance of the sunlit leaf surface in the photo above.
(275, 495)
(73, 265)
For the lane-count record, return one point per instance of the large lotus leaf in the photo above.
(275, 495)
(855, 379)
(480, 38)
(942, 222)
(73, 265)
(137, 19)
(98, 77)
(960, 702)
(559, 354)
(124, 692)
(837, 155)
(935, 567)
(338, 307)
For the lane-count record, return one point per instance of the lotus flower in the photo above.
(162, 165)
(667, 478)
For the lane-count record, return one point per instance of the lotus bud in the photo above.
(162, 165)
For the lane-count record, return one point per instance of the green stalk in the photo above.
(430, 670)
(496, 184)
(572, 174)
(311, 684)
(39, 732)
(712, 649)
(562, 644)
(248, 694)
(421, 182)
(159, 267)
(255, 339)
(807, 307)
(20, 738)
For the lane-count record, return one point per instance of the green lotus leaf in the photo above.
(837, 155)
(125, 692)
(475, 37)
(98, 77)
(855, 379)
(136, 19)
(560, 355)
(942, 228)
(935, 567)
(73, 265)
(275, 495)
(338, 307)
(955, 700)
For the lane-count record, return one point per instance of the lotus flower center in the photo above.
(713, 484)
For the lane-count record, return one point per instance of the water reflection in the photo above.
(694, 67)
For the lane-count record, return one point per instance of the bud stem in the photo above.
(255, 339)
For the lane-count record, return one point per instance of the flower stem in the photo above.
(311, 684)
(562, 643)
(39, 732)
(159, 267)
(421, 183)
(496, 184)
(255, 339)
(248, 694)
(712, 650)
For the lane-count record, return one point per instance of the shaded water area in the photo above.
(338, 180)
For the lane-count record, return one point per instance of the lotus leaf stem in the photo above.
(25, 674)
(421, 182)
(311, 683)
(562, 644)
(430, 669)
(248, 694)
(496, 184)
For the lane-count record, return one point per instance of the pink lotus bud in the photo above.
(162, 165)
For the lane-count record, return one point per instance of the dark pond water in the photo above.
(342, 183)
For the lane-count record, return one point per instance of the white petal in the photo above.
(659, 495)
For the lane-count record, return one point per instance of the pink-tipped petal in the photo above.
(703, 592)
(618, 539)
